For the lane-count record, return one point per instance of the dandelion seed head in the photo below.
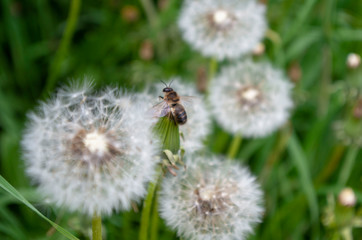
(91, 152)
(252, 99)
(211, 200)
(223, 28)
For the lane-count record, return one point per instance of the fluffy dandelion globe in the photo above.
(223, 28)
(198, 124)
(91, 152)
(252, 99)
(212, 199)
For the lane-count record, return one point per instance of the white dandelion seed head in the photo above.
(212, 199)
(91, 152)
(198, 123)
(223, 28)
(252, 99)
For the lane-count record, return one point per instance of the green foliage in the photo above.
(10, 189)
(168, 132)
(297, 167)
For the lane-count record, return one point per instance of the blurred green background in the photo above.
(119, 43)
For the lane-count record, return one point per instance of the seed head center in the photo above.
(206, 194)
(96, 142)
(251, 94)
(221, 16)
(220, 19)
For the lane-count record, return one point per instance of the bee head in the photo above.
(167, 89)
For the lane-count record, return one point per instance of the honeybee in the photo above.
(172, 104)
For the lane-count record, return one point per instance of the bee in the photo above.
(172, 105)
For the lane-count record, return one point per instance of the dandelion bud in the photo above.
(91, 153)
(223, 28)
(252, 99)
(353, 60)
(347, 197)
(211, 200)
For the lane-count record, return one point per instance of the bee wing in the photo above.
(188, 100)
(161, 109)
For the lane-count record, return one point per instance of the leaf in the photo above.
(10, 189)
(301, 44)
(300, 161)
(349, 35)
(168, 133)
(347, 166)
(301, 19)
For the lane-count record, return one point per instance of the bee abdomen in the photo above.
(180, 114)
(181, 117)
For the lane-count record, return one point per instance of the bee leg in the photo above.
(160, 97)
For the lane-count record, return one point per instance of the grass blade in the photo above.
(10, 189)
(347, 166)
(300, 161)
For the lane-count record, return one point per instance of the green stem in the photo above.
(147, 206)
(150, 11)
(64, 45)
(323, 101)
(234, 146)
(97, 227)
(154, 226)
(347, 166)
(327, 56)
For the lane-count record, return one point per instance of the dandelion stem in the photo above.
(347, 166)
(154, 226)
(234, 146)
(97, 227)
(64, 45)
(147, 206)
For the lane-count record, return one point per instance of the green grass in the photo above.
(298, 166)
